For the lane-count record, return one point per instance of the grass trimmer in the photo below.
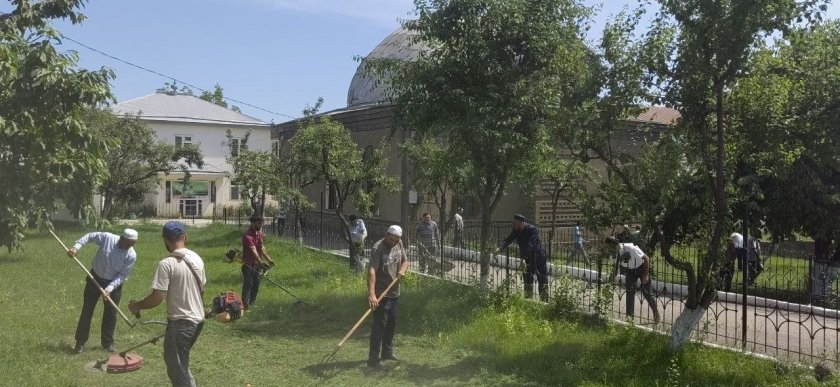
(234, 256)
(114, 304)
(262, 274)
(329, 357)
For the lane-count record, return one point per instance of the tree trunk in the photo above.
(686, 322)
(485, 245)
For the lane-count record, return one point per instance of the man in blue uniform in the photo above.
(532, 253)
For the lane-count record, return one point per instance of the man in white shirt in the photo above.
(636, 266)
(458, 241)
(180, 280)
(358, 233)
(111, 267)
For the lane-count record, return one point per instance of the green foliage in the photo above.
(217, 96)
(48, 157)
(436, 172)
(568, 293)
(262, 173)
(324, 151)
(136, 161)
(494, 77)
(786, 114)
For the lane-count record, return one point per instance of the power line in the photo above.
(170, 77)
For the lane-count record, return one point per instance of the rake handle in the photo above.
(92, 279)
(364, 316)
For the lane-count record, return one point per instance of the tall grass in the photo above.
(447, 335)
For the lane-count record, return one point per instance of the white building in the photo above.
(186, 119)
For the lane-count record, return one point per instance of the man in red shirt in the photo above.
(254, 257)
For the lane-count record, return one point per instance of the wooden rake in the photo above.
(329, 357)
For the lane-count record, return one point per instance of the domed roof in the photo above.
(364, 88)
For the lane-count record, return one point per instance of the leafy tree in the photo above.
(137, 159)
(708, 53)
(323, 151)
(259, 174)
(436, 172)
(494, 77)
(217, 97)
(47, 154)
(786, 112)
(560, 179)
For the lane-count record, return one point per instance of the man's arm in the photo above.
(645, 269)
(403, 263)
(152, 300)
(372, 302)
(96, 237)
(506, 242)
(122, 275)
(264, 254)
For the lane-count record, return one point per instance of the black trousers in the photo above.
(382, 331)
(630, 285)
(109, 314)
(536, 267)
(250, 285)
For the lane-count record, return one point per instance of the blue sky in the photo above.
(279, 55)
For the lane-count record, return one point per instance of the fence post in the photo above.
(745, 279)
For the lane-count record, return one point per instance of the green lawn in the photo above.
(447, 335)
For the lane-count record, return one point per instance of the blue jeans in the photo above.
(250, 285)
(177, 344)
(382, 330)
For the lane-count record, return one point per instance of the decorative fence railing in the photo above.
(788, 311)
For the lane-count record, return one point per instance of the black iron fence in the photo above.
(786, 308)
(784, 305)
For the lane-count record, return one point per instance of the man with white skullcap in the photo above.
(387, 262)
(111, 267)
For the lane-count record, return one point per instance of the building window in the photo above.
(275, 147)
(168, 191)
(183, 139)
(234, 192)
(237, 145)
(212, 192)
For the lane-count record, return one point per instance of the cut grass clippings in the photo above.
(447, 334)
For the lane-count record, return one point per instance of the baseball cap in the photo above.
(130, 234)
(395, 230)
(174, 228)
(519, 217)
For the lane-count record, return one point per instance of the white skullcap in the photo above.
(130, 234)
(395, 230)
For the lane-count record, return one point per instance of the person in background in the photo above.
(428, 236)
(254, 258)
(624, 235)
(636, 267)
(532, 253)
(179, 279)
(358, 233)
(458, 240)
(112, 266)
(578, 249)
(387, 262)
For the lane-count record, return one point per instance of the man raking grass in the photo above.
(111, 267)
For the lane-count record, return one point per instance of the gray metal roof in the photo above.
(183, 108)
(366, 89)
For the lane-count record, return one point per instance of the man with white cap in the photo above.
(111, 267)
(387, 262)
